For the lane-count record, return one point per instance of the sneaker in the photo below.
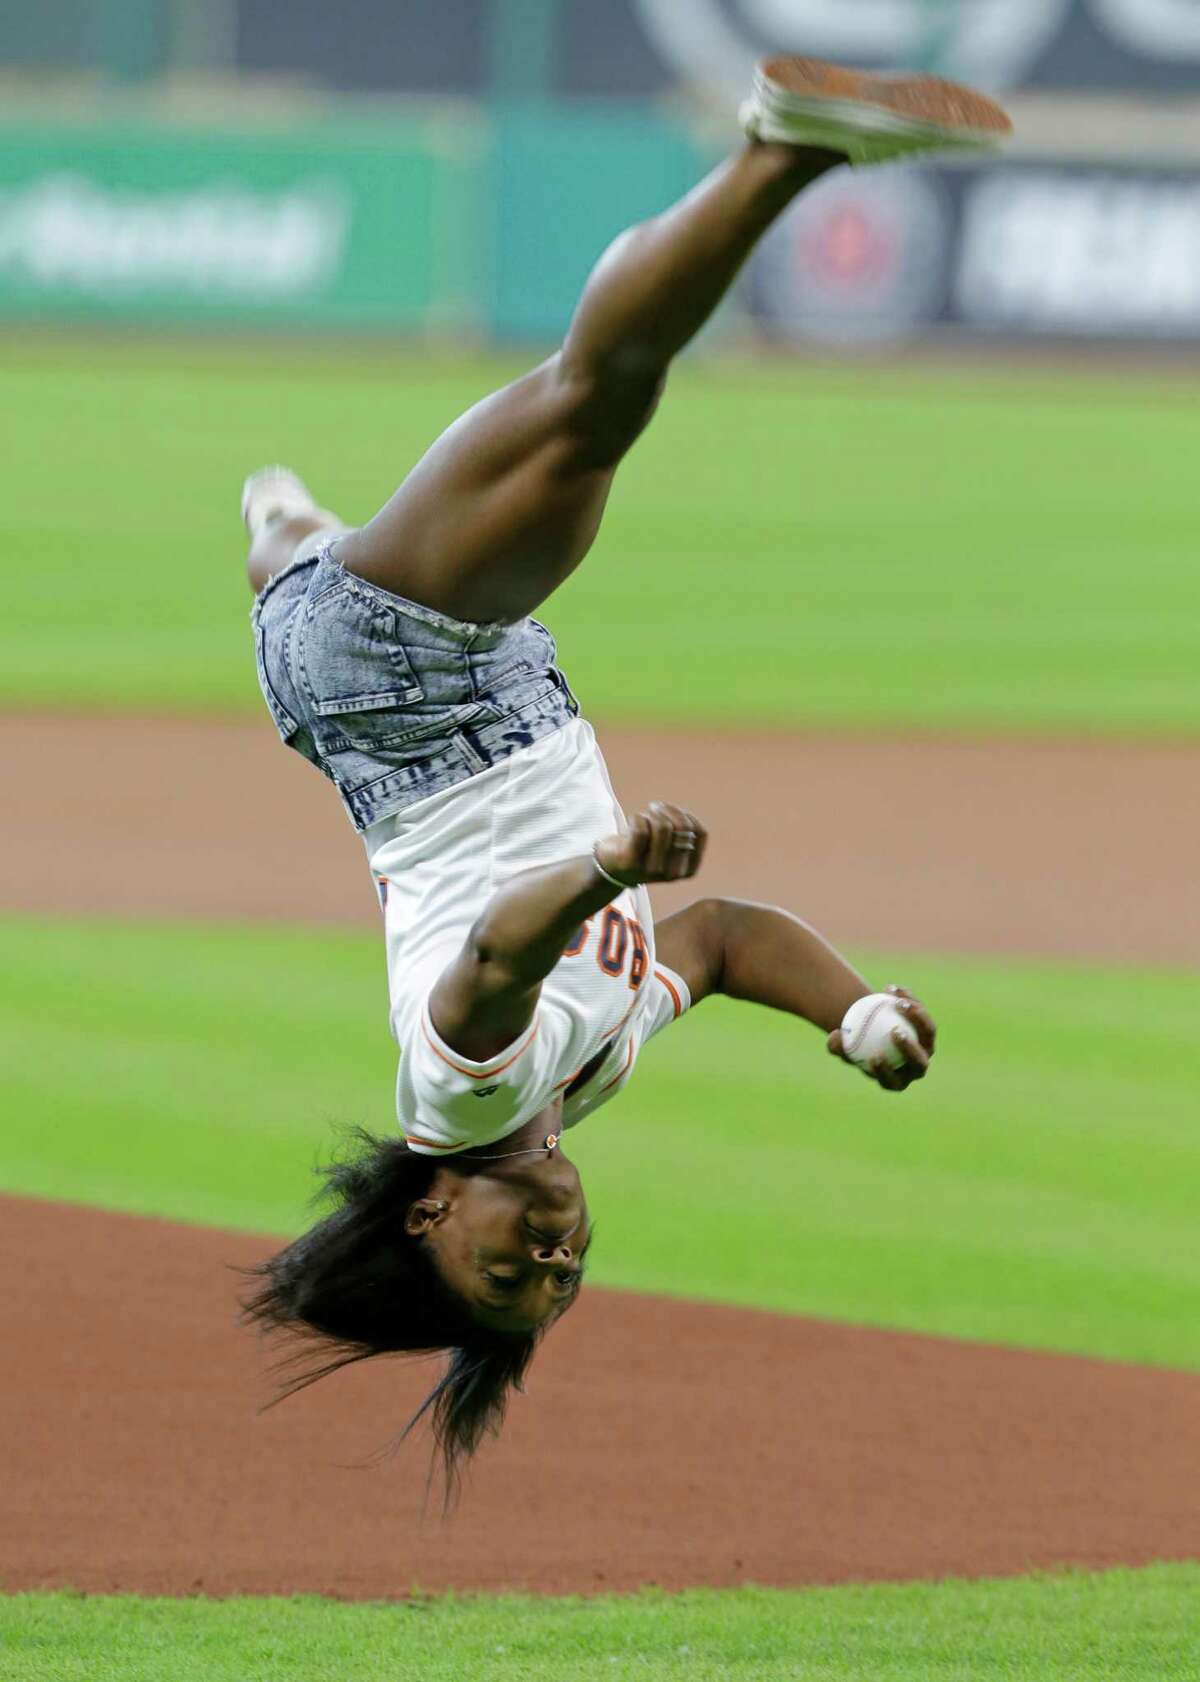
(866, 116)
(274, 493)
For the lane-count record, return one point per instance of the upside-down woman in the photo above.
(526, 971)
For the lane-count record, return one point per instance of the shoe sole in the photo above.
(902, 107)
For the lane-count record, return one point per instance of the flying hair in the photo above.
(357, 1285)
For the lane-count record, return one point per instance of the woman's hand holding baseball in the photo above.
(913, 1053)
(662, 844)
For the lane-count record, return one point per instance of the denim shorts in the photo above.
(391, 700)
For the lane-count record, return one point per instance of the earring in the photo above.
(442, 1206)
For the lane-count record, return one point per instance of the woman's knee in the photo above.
(614, 403)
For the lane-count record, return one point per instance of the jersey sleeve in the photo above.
(669, 998)
(447, 1103)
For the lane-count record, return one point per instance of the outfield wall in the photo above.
(457, 222)
(339, 225)
(1032, 249)
(444, 223)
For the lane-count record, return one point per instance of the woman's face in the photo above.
(509, 1241)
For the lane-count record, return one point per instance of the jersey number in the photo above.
(620, 938)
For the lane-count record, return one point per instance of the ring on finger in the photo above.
(685, 840)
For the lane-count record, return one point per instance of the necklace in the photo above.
(551, 1144)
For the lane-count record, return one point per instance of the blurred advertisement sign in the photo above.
(160, 224)
(1155, 28)
(1035, 250)
(642, 45)
(717, 41)
(1057, 251)
(75, 233)
(863, 258)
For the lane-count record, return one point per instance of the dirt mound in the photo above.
(661, 1442)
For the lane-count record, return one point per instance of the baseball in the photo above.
(867, 1029)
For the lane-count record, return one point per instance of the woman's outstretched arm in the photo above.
(769, 957)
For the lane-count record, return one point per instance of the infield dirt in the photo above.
(662, 1442)
(1034, 848)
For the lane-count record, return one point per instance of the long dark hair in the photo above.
(357, 1285)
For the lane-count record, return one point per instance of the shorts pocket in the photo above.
(286, 725)
(516, 671)
(354, 666)
(521, 690)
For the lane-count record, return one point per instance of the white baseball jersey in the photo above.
(437, 865)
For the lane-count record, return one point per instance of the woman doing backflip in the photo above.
(525, 969)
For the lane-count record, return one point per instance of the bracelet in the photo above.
(607, 877)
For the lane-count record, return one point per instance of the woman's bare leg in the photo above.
(507, 502)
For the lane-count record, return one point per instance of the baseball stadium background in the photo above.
(900, 592)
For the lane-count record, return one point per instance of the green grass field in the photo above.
(941, 549)
(953, 550)
(1040, 1191)
(1119, 1626)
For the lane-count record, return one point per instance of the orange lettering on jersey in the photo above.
(614, 942)
(578, 940)
(640, 962)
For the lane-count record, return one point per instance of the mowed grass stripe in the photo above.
(783, 547)
(1039, 1190)
(1119, 1626)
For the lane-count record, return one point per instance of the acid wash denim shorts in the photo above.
(391, 700)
